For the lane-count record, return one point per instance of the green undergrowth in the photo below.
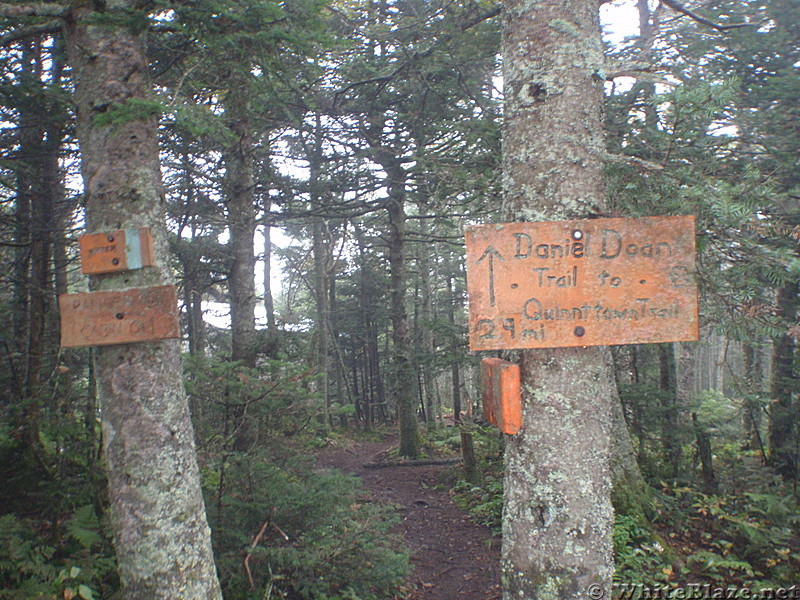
(747, 539)
(282, 528)
(44, 560)
(484, 501)
(732, 539)
(306, 533)
(54, 538)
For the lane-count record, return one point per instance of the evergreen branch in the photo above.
(28, 32)
(632, 160)
(678, 7)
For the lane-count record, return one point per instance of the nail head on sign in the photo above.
(577, 234)
(579, 331)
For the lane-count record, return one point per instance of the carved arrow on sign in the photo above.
(491, 253)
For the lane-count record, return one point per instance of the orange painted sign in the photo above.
(119, 317)
(122, 250)
(501, 395)
(587, 282)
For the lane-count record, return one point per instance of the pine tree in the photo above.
(557, 515)
(157, 514)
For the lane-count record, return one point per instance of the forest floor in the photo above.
(452, 557)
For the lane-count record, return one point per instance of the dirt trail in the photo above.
(452, 557)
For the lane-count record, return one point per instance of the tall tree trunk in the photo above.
(61, 258)
(345, 394)
(29, 141)
(557, 517)
(39, 204)
(426, 319)
(783, 431)
(269, 302)
(240, 200)
(401, 338)
(46, 192)
(190, 264)
(320, 251)
(372, 386)
(670, 417)
(455, 367)
(706, 458)
(629, 492)
(157, 514)
(193, 299)
(751, 409)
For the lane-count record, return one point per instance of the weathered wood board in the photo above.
(119, 317)
(582, 283)
(122, 250)
(501, 394)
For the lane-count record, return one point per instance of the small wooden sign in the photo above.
(119, 317)
(121, 250)
(582, 283)
(501, 395)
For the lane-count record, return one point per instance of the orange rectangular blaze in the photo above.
(502, 405)
(116, 251)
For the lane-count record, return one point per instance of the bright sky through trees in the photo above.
(620, 21)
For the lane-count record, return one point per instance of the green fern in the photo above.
(715, 565)
(84, 527)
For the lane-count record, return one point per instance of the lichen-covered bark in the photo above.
(552, 135)
(157, 513)
(557, 516)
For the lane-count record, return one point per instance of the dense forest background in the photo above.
(321, 159)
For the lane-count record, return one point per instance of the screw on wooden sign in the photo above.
(119, 317)
(582, 283)
(122, 250)
(501, 394)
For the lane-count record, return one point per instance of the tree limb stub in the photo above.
(33, 9)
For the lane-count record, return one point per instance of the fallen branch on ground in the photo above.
(411, 463)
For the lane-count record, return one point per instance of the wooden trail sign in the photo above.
(122, 250)
(582, 283)
(119, 317)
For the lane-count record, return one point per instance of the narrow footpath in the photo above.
(452, 557)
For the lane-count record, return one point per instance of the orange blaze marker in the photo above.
(116, 251)
(502, 399)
